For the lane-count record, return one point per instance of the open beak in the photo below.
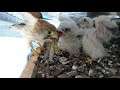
(59, 33)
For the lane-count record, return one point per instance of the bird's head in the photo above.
(67, 27)
(47, 30)
(85, 22)
(36, 27)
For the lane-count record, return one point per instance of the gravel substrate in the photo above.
(77, 66)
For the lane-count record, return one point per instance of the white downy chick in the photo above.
(70, 41)
(94, 38)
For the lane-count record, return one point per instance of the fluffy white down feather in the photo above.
(92, 46)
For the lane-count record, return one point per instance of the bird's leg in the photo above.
(88, 60)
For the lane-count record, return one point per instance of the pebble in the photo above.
(81, 76)
(74, 67)
(81, 68)
(72, 73)
(64, 66)
(63, 60)
(90, 72)
(63, 76)
(52, 68)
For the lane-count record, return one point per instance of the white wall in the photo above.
(13, 52)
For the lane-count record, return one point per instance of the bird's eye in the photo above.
(49, 32)
(22, 24)
(67, 29)
(84, 20)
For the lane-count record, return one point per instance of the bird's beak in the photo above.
(59, 33)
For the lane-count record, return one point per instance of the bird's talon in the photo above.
(89, 61)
